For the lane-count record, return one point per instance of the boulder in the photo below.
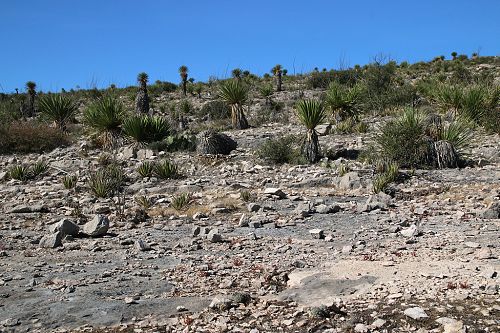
(51, 241)
(66, 227)
(97, 227)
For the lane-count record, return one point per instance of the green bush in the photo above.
(343, 101)
(181, 202)
(282, 150)
(69, 181)
(175, 142)
(106, 181)
(403, 141)
(215, 110)
(146, 129)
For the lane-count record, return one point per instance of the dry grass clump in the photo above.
(30, 137)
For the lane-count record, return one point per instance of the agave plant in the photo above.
(19, 172)
(183, 72)
(277, 71)
(166, 170)
(311, 113)
(105, 117)
(57, 108)
(235, 95)
(142, 99)
(146, 129)
(106, 181)
(146, 169)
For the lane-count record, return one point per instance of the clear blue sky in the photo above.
(65, 43)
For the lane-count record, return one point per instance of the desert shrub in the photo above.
(214, 110)
(324, 79)
(146, 169)
(181, 201)
(106, 181)
(57, 108)
(160, 87)
(166, 170)
(351, 125)
(389, 175)
(409, 142)
(146, 129)
(270, 113)
(403, 141)
(30, 137)
(69, 181)
(343, 101)
(247, 196)
(105, 116)
(175, 142)
(285, 149)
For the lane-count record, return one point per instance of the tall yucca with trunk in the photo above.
(142, 99)
(30, 107)
(277, 71)
(311, 113)
(183, 72)
(235, 95)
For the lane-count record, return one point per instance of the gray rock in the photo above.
(221, 303)
(416, 313)
(128, 152)
(66, 227)
(144, 154)
(409, 232)
(243, 221)
(142, 245)
(304, 209)
(492, 212)
(347, 249)
(275, 191)
(253, 207)
(20, 209)
(3, 175)
(196, 231)
(317, 233)
(51, 241)
(327, 209)
(349, 181)
(98, 226)
(255, 224)
(199, 216)
(214, 236)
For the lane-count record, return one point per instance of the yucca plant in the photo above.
(474, 103)
(311, 113)
(236, 73)
(146, 129)
(69, 181)
(235, 95)
(146, 169)
(19, 172)
(266, 91)
(57, 108)
(181, 201)
(183, 72)
(142, 99)
(458, 133)
(166, 170)
(277, 71)
(30, 107)
(105, 117)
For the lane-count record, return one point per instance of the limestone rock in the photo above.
(97, 227)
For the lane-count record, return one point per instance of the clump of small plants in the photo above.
(106, 181)
(25, 172)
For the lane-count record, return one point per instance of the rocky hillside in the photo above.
(133, 227)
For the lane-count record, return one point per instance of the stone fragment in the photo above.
(492, 212)
(409, 232)
(416, 313)
(97, 227)
(214, 236)
(51, 241)
(243, 221)
(275, 191)
(142, 245)
(317, 233)
(221, 303)
(253, 207)
(66, 227)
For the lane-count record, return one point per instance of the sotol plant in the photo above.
(235, 95)
(146, 169)
(57, 108)
(311, 113)
(146, 129)
(105, 117)
(166, 170)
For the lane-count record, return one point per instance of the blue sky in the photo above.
(65, 43)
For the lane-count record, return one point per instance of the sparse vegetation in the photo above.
(106, 181)
(57, 108)
(105, 117)
(166, 170)
(146, 129)
(69, 181)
